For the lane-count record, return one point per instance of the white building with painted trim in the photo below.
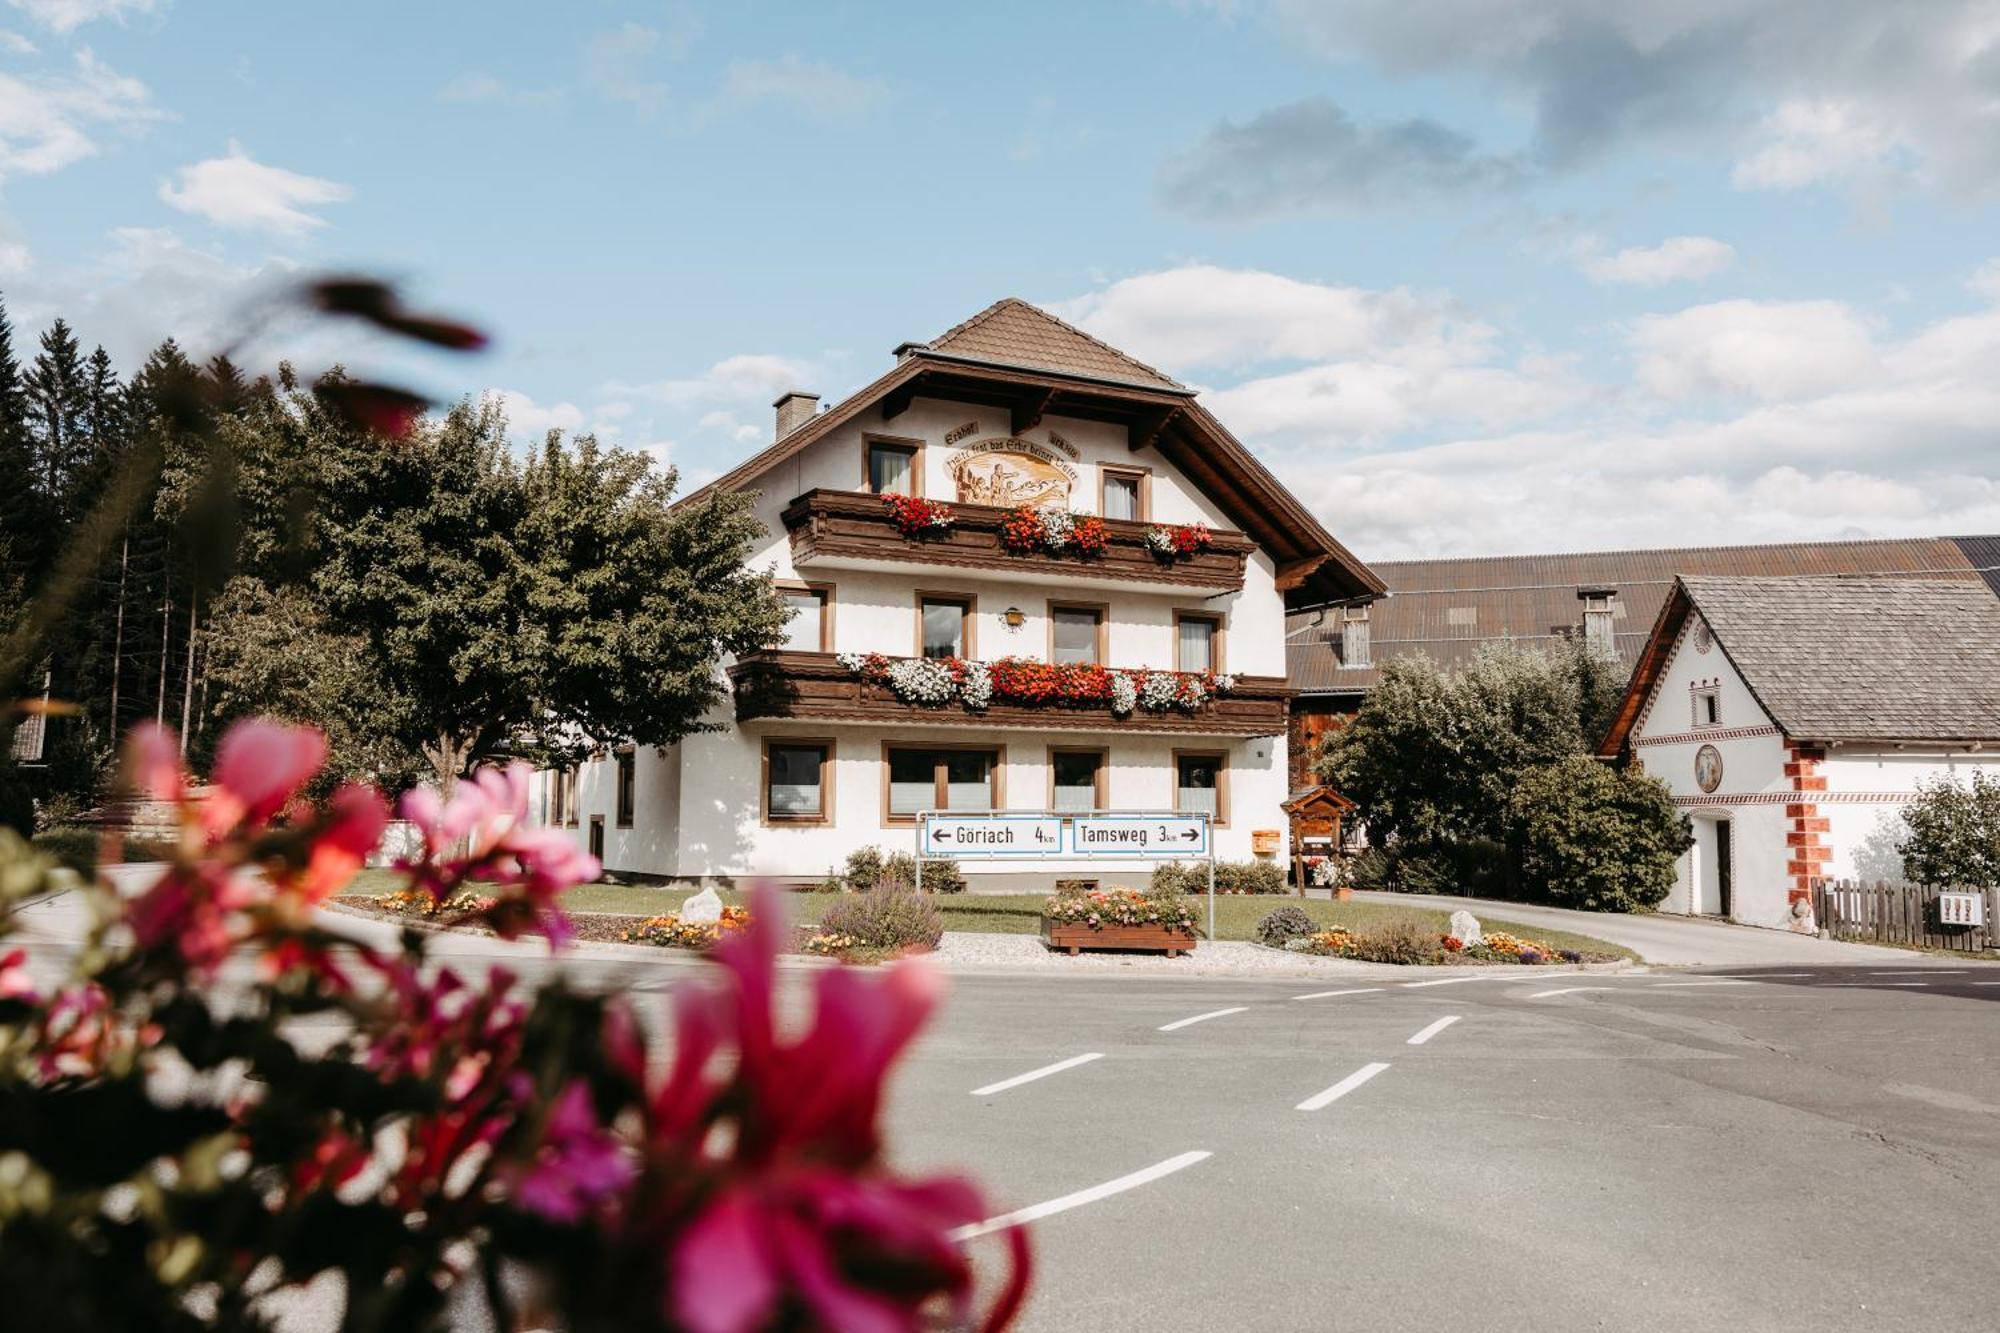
(1792, 716)
(1167, 621)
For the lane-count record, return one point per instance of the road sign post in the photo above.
(1092, 835)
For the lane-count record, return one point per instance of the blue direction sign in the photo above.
(1140, 835)
(990, 835)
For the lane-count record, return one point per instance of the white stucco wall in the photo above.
(1752, 795)
(1865, 785)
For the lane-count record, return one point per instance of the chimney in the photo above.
(1354, 636)
(795, 409)
(1600, 614)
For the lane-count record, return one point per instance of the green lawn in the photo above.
(1236, 918)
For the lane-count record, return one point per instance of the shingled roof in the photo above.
(1010, 332)
(1447, 609)
(1845, 659)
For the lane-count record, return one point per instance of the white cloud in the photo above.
(817, 91)
(480, 88)
(1770, 350)
(15, 258)
(67, 15)
(1734, 421)
(1810, 142)
(46, 121)
(236, 191)
(615, 63)
(15, 44)
(1676, 259)
(745, 380)
(528, 418)
(1800, 91)
(1201, 316)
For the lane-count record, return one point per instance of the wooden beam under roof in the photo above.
(1028, 409)
(897, 401)
(1145, 432)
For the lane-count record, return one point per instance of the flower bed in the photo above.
(670, 932)
(934, 682)
(416, 902)
(1404, 946)
(1119, 919)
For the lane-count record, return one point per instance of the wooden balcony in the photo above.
(849, 529)
(816, 687)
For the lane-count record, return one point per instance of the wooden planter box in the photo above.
(1073, 936)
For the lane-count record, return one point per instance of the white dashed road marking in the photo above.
(1340, 1089)
(1329, 994)
(1922, 972)
(1432, 1030)
(1201, 1018)
(1448, 981)
(1874, 985)
(1665, 985)
(1567, 990)
(1068, 1201)
(1034, 1074)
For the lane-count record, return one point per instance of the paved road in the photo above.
(1660, 937)
(1817, 1151)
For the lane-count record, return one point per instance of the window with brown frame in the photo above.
(944, 625)
(891, 467)
(570, 811)
(628, 776)
(1124, 493)
(798, 781)
(926, 778)
(1079, 781)
(810, 630)
(1197, 641)
(1201, 784)
(1077, 634)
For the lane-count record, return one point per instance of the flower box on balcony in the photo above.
(781, 683)
(1073, 937)
(852, 529)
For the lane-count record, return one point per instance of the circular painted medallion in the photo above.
(1708, 768)
(1704, 637)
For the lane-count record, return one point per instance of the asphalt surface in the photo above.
(1654, 1152)
(1786, 1147)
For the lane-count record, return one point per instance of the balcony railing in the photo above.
(838, 526)
(818, 687)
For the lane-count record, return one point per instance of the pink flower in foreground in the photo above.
(259, 765)
(15, 983)
(799, 1212)
(482, 834)
(577, 1164)
(355, 818)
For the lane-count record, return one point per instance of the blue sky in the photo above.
(1472, 277)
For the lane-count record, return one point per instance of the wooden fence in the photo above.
(1902, 914)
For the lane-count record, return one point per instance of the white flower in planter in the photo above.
(1124, 694)
(920, 680)
(1058, 528)
(976, 690)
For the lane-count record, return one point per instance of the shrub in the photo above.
(1954, 834)
(1249, 877)
(1397, 940)
(72, 847)
(1374, 869)
(868, 867)
(1588, 836)
(888, 916)
(1288, 922)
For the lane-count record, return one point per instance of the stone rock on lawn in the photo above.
(1466, 927)
(705, 908)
